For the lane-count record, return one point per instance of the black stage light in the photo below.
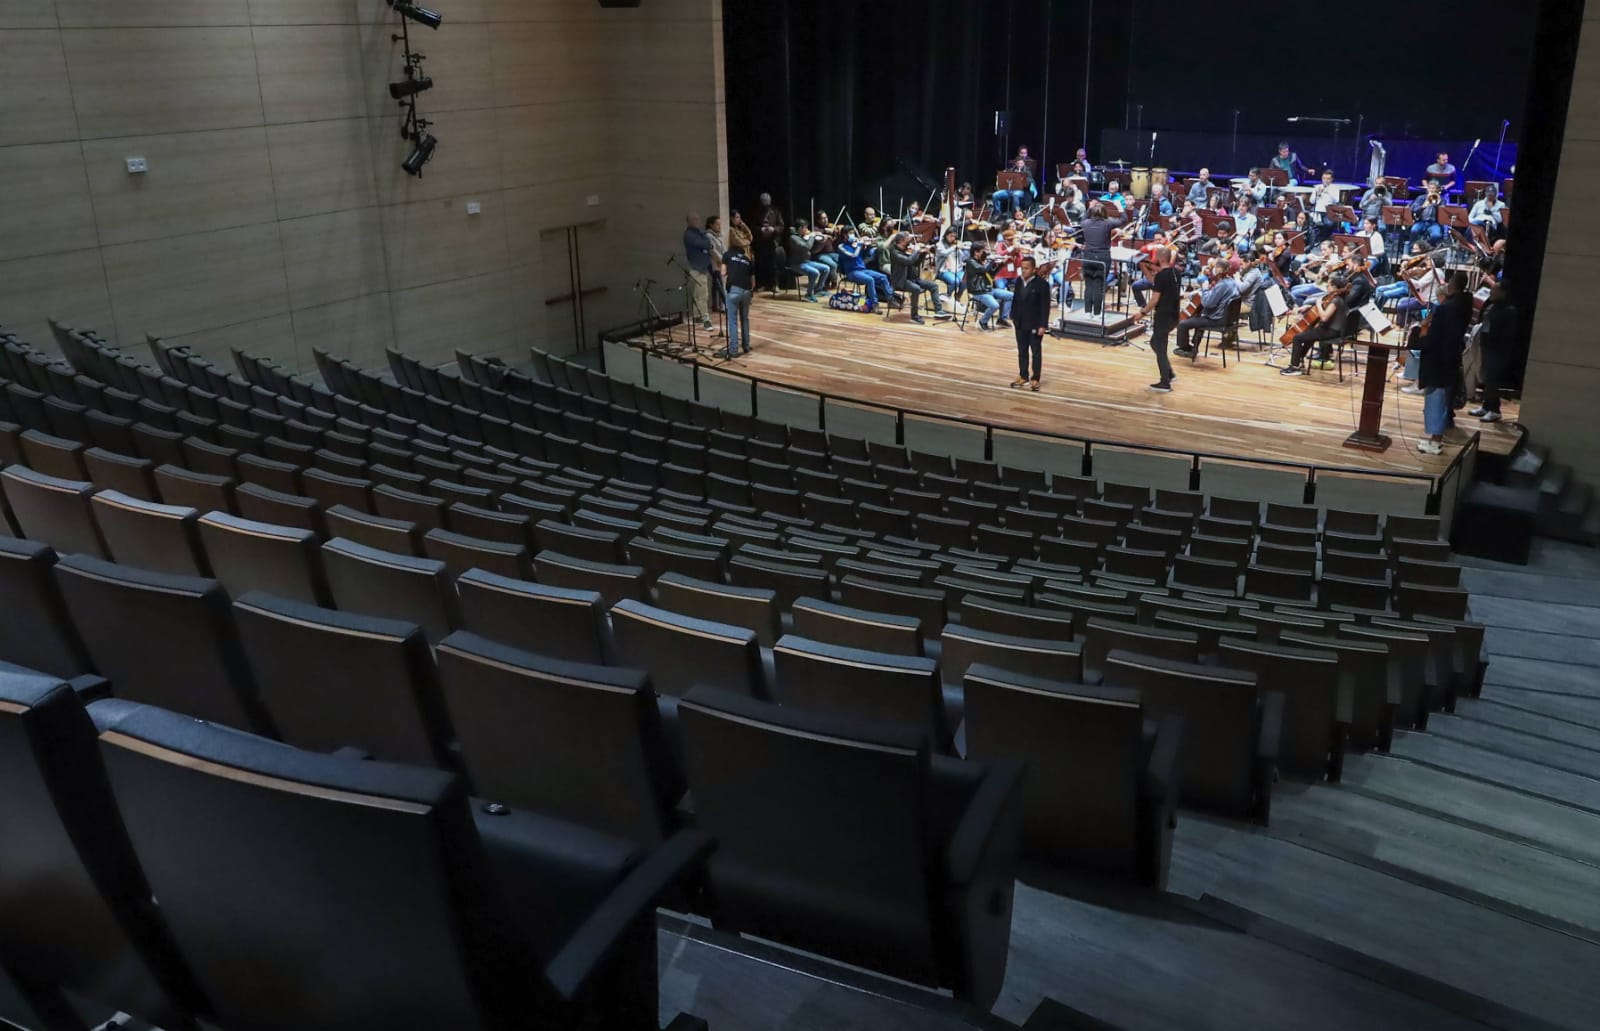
(421, 152)
(409, 87)
(420, 15)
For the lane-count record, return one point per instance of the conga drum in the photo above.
(1159, 175)
(1139, 182)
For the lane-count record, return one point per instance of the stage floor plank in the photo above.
(1090, 390)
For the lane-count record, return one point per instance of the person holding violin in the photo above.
(980, 284)
(797, 251)
(951, 260)
(906, 275)
(853, 267)
(1164, 304)
(1332, 313)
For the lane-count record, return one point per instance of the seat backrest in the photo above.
(1102, 635)
(162, 640)
(961, 646)
(461, 553)
(822, 829)
(74, 906)
(246, 556)
(143, 534)
(338, 679)
(923, 603)
(1220, 709)
(613, 582)
(53, 511)
(576, 741)
(380, 583)
(1309, 682)
(755, 608)
(867, 685)
(682, 651)
(856, 628)
(557, 622)
(1084, 750)
(366, 878)
(36, 632)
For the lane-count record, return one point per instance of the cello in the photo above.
(1310, 316)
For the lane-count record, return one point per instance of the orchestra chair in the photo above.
(499, 919)
(847, 627)
(1227, 333)
(75, 912)
(1103, 635)
(384, 584)
(1316, 721)
(910, 872)
(554, 621)
(146, 535)
(865, 685)
(162, 640)
(336, 680)
(613, 581)
(1231, 732)
(53, 511)
(568, 740)
(246, 556)
(37, 633)
(1069, 736)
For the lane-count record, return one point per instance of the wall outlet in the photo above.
(137, 165)
(474, 208)
(594, 200)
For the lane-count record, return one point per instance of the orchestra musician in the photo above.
(1080, 162)
(1113, 195)
(1375, 243)
(1324, 195)
(1289, 162)
(951, 261)
(1315, 272)
(980, 285)
(1443, 171)
(1497, 341)
(906, 275)
(1214, 303)
(1255, 188)
(852, 265)
(1160, 200)
(1072, 199)
(1374, 200)
(1198, 188)
(1058, 251)
(1017, 200)
(1031, 317)
(1244, 223)
(1425, 215)
(798, 247)
(963, 206)
(1332, 313)
(1487, 213)
(1164, 305)
(1149, 267)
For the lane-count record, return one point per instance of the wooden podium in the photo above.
(1367, 436)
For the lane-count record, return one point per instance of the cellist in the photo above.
(1333, 312)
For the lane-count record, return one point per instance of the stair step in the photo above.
(1526, 465)
(1564, 518)
(1553, 480)
(1591, 529)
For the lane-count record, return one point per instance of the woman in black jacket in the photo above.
(1440, 368)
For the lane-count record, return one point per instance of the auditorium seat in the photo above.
(382, 894)
(412, 506)
(1084, 606)
(754, 608)
(1352, 593)
(1283, 556)
(162, 640)
(1356, 565)
(75, 912)
(849, 627)
(569, 740)
(1101, 636)
(1000, 617)
(36, 631)
(461, 553)
(682, 651)
(1340, 521)
(1414, 600)
(400, 536)
(612, 581)
(1101, 790)
(1232, 550)
(1442, 677)
(178, 486)
(146, 535)
(248, 556)
(53, 511)
(1284, 585)
(1209, 574)
(1413, 528)
(790, 581)
(659, 557)
(1365, 544)
(1148, 605)
(1316, 722)
(866, 685)
(1231, 729)
(1408, 667)
(578, 542)
(1470, 663)
(391, 586)
(265, 505)
(336, 680)
(961, 646)
(329, 489)
(55, 456)
(838, 837)
(1365, 684)
(109, 470)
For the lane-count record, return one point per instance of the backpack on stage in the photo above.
(854, 300)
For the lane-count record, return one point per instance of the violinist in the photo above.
(797, 250)
(1315, 271)
(963, 205)
(1148, 266)
(906, 275)
(980, 284)
(1008, 250)
(853, 267)
(823, 241)
(1417, 265)
(951, 261)
(1302, 225)
(870, 225)
(1059, 248)
(1280, 255)
(1425, 215)
(1072, 200)
(1189, 224)
(1375, 245)
(1333, 311)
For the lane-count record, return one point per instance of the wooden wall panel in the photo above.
(138, 82)
(70, 286)
(310, 72)
(302, 12)
(271, 335)
(46, 205)
(197, 182)
(358, 329)
(334, 257)
(27, 14)
(433, 241)
(181, 285)
(319, 167)
(100, 14)
(33, 79)
(472, 314)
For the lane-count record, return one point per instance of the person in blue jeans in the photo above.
(739, 276)
(853, 268)
(980, 284)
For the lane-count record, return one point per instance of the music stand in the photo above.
(1477, 189)
(1358, 242)
(1452, 216)
(1269, 218)
(1011, 181)
(1225, 192)
(1274, 177)
(1343, 213)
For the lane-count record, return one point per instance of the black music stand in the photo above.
(1269, 218)
(1397, 221)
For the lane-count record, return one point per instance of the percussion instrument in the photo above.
(1159, 174)
(1139, 184)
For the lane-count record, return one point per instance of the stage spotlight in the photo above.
(409, 87)
(420, 15)
(421, 153)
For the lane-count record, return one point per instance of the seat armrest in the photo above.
(1161, 773)
(1336, 747)
(1270, 738)
(993, 807)
(586, 951)
(90, 687)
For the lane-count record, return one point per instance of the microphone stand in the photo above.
(1500, 151)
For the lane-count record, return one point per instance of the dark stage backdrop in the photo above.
(832, 98)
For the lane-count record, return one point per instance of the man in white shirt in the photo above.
(1487, 211)
(1082, 158)
(1255, 187)
(1322, 195)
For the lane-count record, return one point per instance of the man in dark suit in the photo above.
(1030, 316)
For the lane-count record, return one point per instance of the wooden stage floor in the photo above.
(1089, 390)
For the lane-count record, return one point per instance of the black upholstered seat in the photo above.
(53, 511)
(75, 912)
(868, 685)
(199, 491)
(1231, 728)
(570, 740)
(370, 894)
(36, 631)
(1102, 785)
(147, 535)
(755, 608)
(381, 583)
(461, 553)
(246, 556)
(1316, 724)
(848, 627)
(1102, 635)
(682, 651)
(338, 679)
(162, 640)
(612, 581)
(846, 838)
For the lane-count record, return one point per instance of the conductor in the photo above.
(1030, 315)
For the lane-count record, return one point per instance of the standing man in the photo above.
(771, 229)
(1497, 340)
(1440, 370)
(1030, 316)
(1164, 303)
(1323, 196)
(739, 276)
(1213, 306)
(697, 253)
(718, 246)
